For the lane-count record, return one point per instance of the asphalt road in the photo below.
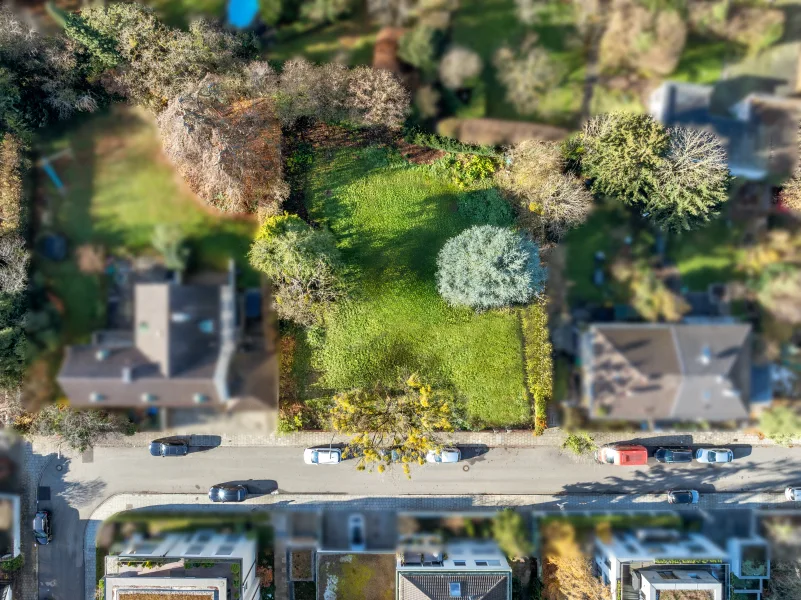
(83, 483)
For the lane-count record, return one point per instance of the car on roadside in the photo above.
(683, 497)
(356, 537)
(673, 455)
(322, 456)
(445, 455)
(630, 455)
(169, 447)
(228, 492)
(714, 455)
(42, 528)
(793, 494)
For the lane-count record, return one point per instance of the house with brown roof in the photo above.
(184, 351)
(667, 372)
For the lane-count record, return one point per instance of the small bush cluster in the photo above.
(579, 443)
(485, 207)
(467, 169)
(539, 362)
(527, 74)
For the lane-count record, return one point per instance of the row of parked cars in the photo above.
(633, 455)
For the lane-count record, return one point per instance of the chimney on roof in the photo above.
(706, 355)
(127, 374)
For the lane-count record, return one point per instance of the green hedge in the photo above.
(447, 144)
(539, 363)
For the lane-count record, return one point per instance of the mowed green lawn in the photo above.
(119, 187)
(390, 220)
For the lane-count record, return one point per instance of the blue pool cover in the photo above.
(242, 12)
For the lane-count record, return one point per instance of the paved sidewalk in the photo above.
(493, 439)
(455, 503)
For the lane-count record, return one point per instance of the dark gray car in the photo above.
(674, 455)
(228, 492)
(169, 447)
(42, 531)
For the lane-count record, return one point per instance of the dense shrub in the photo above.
(15, 349)
(638, 39)
(485, 207)
(303, 264)
(527, 75)
(446, 144)
(549, 201)
(12, 164)
(14, 259)
(325, 11)
(460, 68)
(755, 27)
(488, 267)
(467, 169)
(539, 362)
(418, 47)
(79, 429)
(579, 443)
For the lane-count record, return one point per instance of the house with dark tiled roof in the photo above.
(666, 372)
(184, 351)
(466, 569)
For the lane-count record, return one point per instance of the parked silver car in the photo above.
(714, 455)
(322, 456)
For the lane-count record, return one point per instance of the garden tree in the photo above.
(785, 580)
(649, 295)
(549, 201)
(693, 180)
(754, 26)
(778, 291)
(170, 241)
(376, 98)
(12, 165)
(325, 11)
(159, 62)
(100, 47)
(527, 75)
(790, 194)
(678, 176)
(14, 259)
(11, 410)
(303, 264)
(643, 40)
(15, 349)
(226, 147)
(418, 47)
(78, 429)
(488, 267)
(41, 77)
(572, 570)
(460, 68)
(393, 424)
(510, 532)
(270, 11)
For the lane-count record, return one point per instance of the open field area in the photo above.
(118, 188)
(390, 220)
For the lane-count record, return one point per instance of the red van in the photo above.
(622, 454)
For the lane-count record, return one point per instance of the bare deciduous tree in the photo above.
(376, 97)
(14, 259)
(527, 75)
(549, 201)
(226, 148)
(458, 67)
(10, 406)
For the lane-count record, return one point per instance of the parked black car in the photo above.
(169, 447)
(42, 531)
(227, 492)
(674, 455)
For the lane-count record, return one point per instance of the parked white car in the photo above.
(793, 494)
(322, 456)
(356, 537)
(446, 455)
(714, 455)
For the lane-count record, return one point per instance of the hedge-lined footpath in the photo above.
(539, 363)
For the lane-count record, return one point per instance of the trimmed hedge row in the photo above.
(447, 144)
(539, 363)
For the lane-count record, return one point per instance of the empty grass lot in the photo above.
(390, 220)
(119, 187)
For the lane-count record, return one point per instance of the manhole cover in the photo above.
(44, 493)
(466, 468)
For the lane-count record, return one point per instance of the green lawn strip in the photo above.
(391, 220)
(706, 255)
(486, 25)
(119, 187)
